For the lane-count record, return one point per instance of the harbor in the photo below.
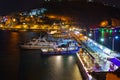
(89, 61)
(60, 40)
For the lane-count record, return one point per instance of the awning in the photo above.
(115, 61)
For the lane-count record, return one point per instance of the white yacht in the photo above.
(38, 44)
(60, 46)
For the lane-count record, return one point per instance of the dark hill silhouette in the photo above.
(87, 13)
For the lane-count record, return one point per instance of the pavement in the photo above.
(95, 56)
(101, 63)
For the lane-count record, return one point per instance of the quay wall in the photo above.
(83, 71)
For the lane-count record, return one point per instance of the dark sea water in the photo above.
(17, 64)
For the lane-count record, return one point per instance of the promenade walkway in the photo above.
(96, 57)
(105, 59)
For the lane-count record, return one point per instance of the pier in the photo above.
(95, 60)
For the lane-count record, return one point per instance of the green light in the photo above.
(102, 33)
(119, 30)
(107, 30)
(111, 31)
(102, 29)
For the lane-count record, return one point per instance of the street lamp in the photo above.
(102, 39)
(113, 41)
(90, 34)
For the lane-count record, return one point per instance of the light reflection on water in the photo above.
(17, 64)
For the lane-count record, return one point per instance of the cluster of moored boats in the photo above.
(58, 46)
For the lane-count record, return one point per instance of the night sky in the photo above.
(112, 2)
(12, 5)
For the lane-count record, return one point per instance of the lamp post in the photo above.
(113, 42)
(90, 34)
(102, 39)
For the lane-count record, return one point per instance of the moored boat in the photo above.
(37, 44)
(59, 46)
(62, 48)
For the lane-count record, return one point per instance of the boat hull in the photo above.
(61, 52)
